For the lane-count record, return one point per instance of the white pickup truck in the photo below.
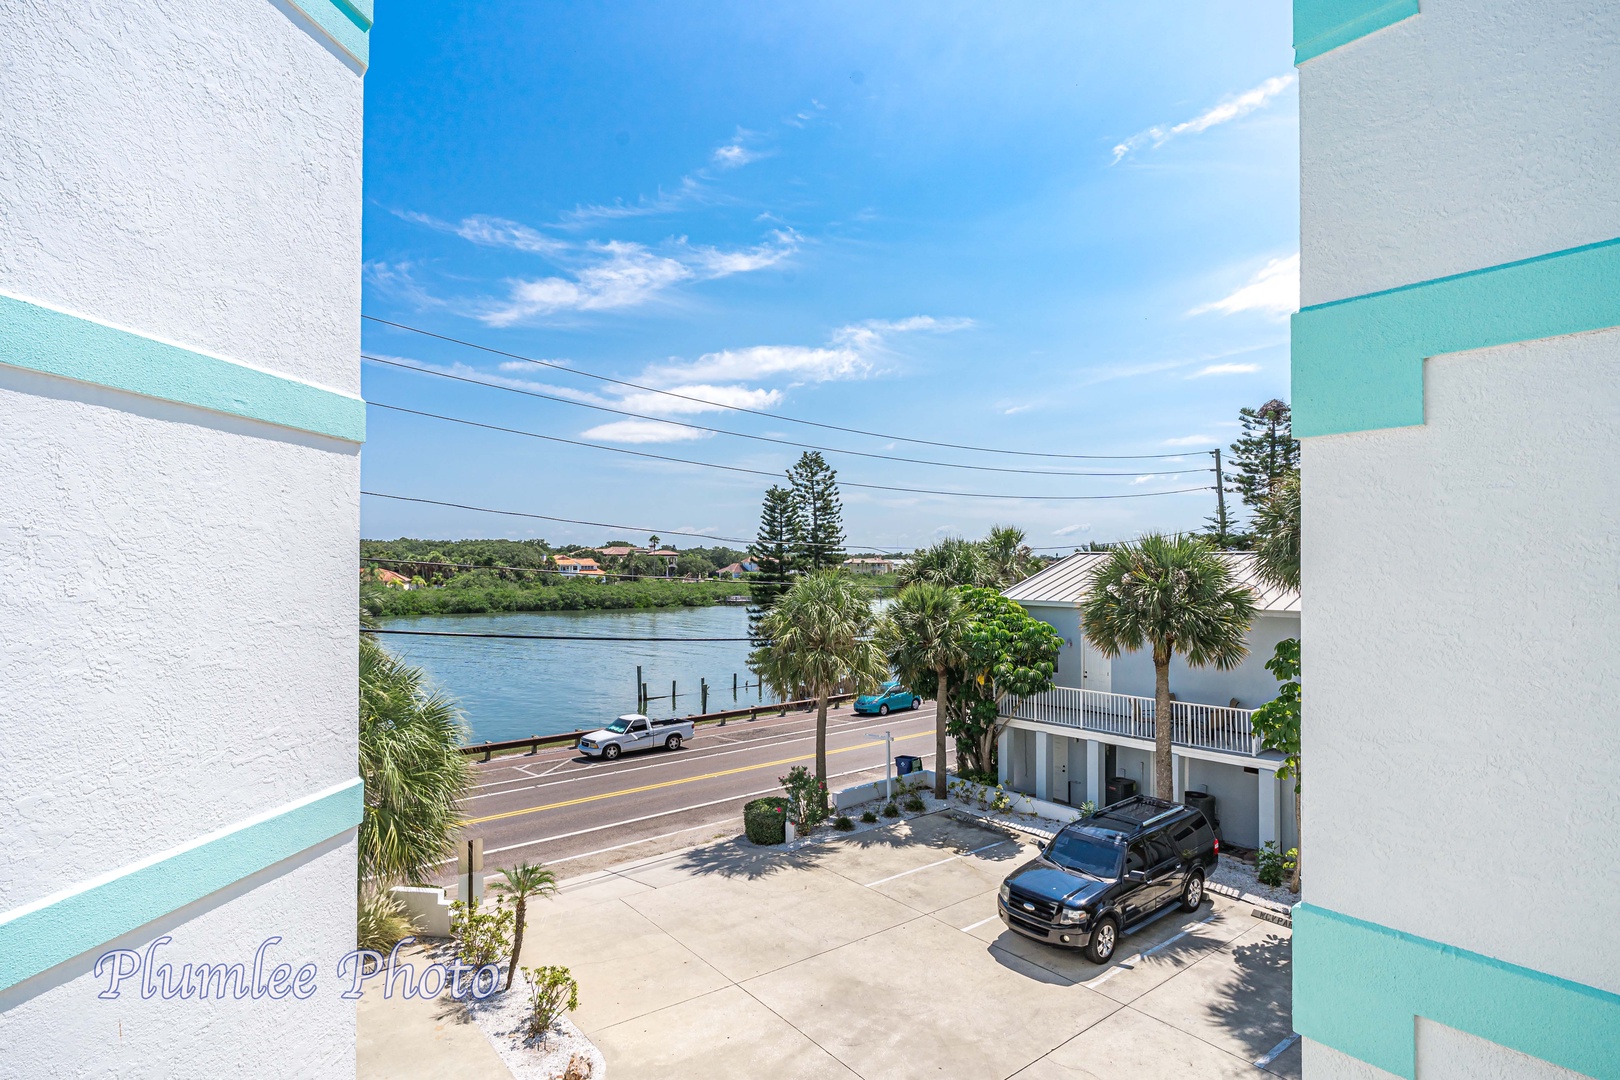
(634, 731)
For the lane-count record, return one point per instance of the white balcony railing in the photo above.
(1208, 727)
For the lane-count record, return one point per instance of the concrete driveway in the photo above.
(880, 956)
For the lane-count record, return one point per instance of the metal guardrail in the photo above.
(535, 742)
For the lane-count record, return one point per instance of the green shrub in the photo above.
(915, 804)
(842, 823)
(891, 810)
(552, 992)
(868, 817)
(765, 820)
(1273, 867)
(483, 935)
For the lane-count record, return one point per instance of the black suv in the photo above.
(1104, 875)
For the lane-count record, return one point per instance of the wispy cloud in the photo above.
(399, 281)
(1189, 440)
(642, 431)
(1273, 291)
(616, 274)
(1070, 530)
(1225, 369)
(737, 152)
(1230, 109)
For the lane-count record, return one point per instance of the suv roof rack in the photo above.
(1137, 812)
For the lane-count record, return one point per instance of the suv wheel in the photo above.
(610, 751)
(1104, 936)
(1192, 893)
(672, 743)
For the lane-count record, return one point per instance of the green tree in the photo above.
(1265, 453)
(814, 485)
(1007, 652)
(691, 564)
(951, 561)
(780, 530)
(1277, 724)
(412, 767)
(923, 637)
(1172, 594)
(1276, 531)
(522, 883)
(1007, 558)
(818, 638)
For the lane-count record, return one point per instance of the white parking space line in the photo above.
(1276, 1051)
(1130, 963)
(633, 843)
(1167, 942)
(930, 866)
(981, 922)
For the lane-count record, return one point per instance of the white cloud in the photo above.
(399, 280)
(617, 274)
(1070, 530)
(1273, 290)
(1141, 480)
(757, 362)
(1228, 110)
(642, 431)
(1190, 440)
(1225, 369)
(713, 398)
(733, 155)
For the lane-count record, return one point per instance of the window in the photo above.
(639, 725)
(1160, 853)
(1136, 857)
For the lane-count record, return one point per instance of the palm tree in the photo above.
(521, 882)
(413, 768)
(923, 636)
(952, 561)
(818, 638)
(1174, 594)
(1276, 530)
(1007, 559)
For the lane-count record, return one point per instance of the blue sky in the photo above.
(1058, 228)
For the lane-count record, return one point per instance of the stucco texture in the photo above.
(1473, 134)
(190, 172)
(1462, 658)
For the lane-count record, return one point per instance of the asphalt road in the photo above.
(560, 807)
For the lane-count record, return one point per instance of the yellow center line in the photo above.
(683, 780)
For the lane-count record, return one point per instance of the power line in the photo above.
(764, 472)
(540, 637)
(846, 544)
(564, 573)
(746, 435)
(758, 412)
(661, 457)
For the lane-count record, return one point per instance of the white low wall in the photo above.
(428, 908)
(962, 790)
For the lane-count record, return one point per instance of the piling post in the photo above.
(641, 688)
(703, 690)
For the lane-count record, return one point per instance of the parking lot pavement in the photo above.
(880, 955)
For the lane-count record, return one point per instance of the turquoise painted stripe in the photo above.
(1358, 987)
(41, 935)
(346, 22)
(1323, 25)
(43, 339)
(1358, 363)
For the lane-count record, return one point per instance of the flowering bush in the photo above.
(765, 820)
(807, 797)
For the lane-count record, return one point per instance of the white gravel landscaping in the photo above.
(504, 1020)
(1237, 875)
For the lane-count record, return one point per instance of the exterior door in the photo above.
(1140, 900)
(1164, 870)
(640, 735)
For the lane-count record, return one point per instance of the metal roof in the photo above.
(1064, 582)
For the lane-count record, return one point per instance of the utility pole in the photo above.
(1220, 498)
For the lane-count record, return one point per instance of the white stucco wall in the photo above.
(1472, 135)
(1480, 659)
(1442, 1054)
(190, 171)
(177, 632)
(1249, 682)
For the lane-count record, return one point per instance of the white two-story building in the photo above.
(1091, 736)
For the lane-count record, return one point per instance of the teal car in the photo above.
(890, 697)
